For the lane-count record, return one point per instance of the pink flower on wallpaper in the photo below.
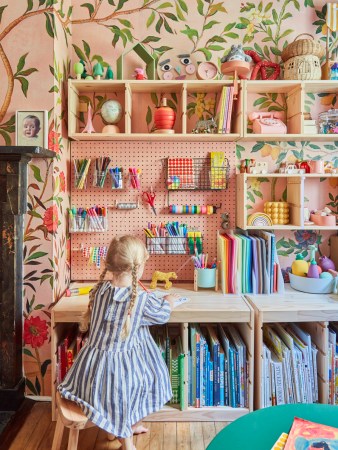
(62, 182)
(306, 237)
(51, 219)
(35, 332)
(53, 141)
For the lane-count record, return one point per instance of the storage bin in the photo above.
(312, 285)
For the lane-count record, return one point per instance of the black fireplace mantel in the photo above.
(13, 205)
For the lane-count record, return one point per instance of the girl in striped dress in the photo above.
(119, 376)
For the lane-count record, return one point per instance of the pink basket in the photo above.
(324, 221)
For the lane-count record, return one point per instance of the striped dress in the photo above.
(116, 382)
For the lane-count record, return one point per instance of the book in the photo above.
(307, 435)
(177, 302)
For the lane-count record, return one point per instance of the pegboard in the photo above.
(149, 157)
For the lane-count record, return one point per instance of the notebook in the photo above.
(177, 302)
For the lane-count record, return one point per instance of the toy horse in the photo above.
(162, 276)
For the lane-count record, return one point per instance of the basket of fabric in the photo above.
(306, 67)
(301, 47)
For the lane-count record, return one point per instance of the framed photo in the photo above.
(32, 128)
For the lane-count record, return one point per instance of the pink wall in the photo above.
(207, 29)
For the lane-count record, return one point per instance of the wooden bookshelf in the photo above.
(205, 306)
(312, 311)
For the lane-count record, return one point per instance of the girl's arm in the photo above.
(157, 310)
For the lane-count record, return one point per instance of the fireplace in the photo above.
(13, 205)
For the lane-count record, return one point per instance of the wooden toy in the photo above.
(89, 128)
(260, 220)
(164, 118)
(146, 57)
(84, 73)
(176, 64)
(139, 74)
(78, 69)
(267, 123)
(109, 73)
(98, 71)
(261, 66)
(162, 276)
(278, 211)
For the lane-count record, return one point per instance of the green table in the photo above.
(260, 429)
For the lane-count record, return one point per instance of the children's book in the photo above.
(307, 435)
(177, 302)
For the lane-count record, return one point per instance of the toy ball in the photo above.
(326, 275)
(111, 111)
(326, 263)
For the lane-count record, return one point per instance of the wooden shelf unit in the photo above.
(205, 306)
(129, 94)
(312, 311)
(295, 198)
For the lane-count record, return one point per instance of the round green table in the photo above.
(260, 429)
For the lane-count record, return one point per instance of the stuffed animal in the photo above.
(162, 276)
(236, 53)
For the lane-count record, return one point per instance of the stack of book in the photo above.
(217, 367)
(249, 263)
(288, 366)
(224, 110)
(67, 350)
(333, 364)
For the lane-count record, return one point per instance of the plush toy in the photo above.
(139, 74)
(260, 66)
(236, 53)
(162, 276)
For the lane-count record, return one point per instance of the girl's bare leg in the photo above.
(138, 428)
(127, 443)
(111, 437)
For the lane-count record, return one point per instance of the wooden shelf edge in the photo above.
(154, 137)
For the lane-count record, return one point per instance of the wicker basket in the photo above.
(305, 67)
(303, 47)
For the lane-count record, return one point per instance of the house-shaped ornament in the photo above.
(146, 57)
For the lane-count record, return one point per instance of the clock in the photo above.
(207, 71)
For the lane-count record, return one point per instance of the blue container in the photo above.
(206, 278)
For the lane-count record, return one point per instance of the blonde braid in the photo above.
(86, 316)
(127, 323)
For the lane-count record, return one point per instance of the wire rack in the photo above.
(174, 245)
(197, 174)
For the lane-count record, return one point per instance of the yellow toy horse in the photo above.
(162, 276)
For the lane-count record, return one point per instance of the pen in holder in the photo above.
(116, 177)
(81, 168)
(134, 177)
(99, 178)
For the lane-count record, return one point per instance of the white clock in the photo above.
(207, 71)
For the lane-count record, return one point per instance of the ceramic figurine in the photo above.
(326, 263)
(109, 74)
(89, 77)
(98, 71)
(84, 73)
(78, 69)
(89, 128)
(162, 276)
(236, 53)
(313, 270)
(299, 267)
(139, 74)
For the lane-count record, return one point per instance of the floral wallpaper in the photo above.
(39, 42)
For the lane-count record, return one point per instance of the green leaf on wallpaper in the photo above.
(232, 35)
(241, 26)
(250, 196)
(165, 5)
(24, 85)
(50, 25)
(259, 101)
(190, 32)
(170, 16)
(331, 196)
(174, 97)
(210, 24)
(183, 5)
(167, 27)
(149, 116)
(27, 72)
(275, 51)
(162, 49)
(21, 62)
(309, 3)
(54, 89)
(126, 23)
(111, 2)
(79, 52)
(44, 366)
(90, 8)
(37, 385)
(268, 7)
(34, 214)
(285, 33)
(216, 48)
(150, 39)
(207, 53)
(70, 11)
(30, 386)
(2, 8)
(120, 4)
(172, 105)
(281, 156)
(29, 5)
(28, 352)
(86, 48)
(286, 16)
(36, 255)
(229, 26)
(200, 7)
(257, 193)
(6, 136)
(159, 24)
(151, 19)
(297, 5)
(257, 147)
(37, 174)
(154, 98)
(275, 16)
(179, 13)
(330, 147)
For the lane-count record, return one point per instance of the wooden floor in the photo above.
(37, 429)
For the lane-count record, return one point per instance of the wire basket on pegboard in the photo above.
(197, 173)
(175, 245)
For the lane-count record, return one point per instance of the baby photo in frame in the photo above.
(32, 128)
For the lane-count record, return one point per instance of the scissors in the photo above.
(149, 197)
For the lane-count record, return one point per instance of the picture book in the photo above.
(280, 443)
(306, 435)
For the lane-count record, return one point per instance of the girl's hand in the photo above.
(171, 298)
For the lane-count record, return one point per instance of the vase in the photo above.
(164, 117)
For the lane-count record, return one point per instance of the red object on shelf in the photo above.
(164, 117)
(305, 165)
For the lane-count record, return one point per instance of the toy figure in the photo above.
(84, 73)
(98, 71)
(236, 53)
(139, 74)
(109, 74)
(78, 69)
(89, 128)
(162, 276)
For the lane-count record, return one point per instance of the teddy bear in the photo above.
(236, 53)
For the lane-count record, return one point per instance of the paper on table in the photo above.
(177, 302)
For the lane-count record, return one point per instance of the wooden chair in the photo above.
(70, 416)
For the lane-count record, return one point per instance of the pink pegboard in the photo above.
(149, 157)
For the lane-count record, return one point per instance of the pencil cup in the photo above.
(205, 278)
(135, 180)
(177, 245)
(99, 178)
(80, 181)
(77, 223)
(156, 245)
(116, 180)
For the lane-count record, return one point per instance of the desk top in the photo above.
(203, 306)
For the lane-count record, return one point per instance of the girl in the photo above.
(119, 376)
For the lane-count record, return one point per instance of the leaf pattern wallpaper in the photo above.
(39, 42)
